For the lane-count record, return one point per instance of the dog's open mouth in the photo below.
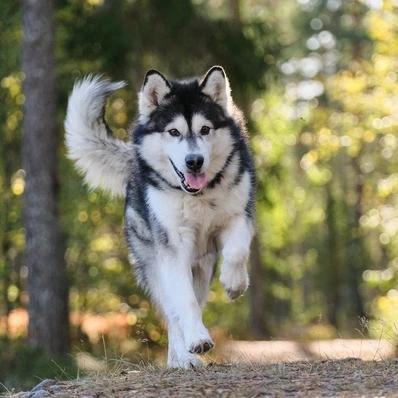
(191, 182)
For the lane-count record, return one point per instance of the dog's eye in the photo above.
(205, 130)
(174, 133)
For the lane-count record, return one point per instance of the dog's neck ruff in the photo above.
(153, 177)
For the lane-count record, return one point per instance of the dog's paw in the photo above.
(185, 361)
(235, 280)
(198, 342)
(201, 346)
(234, 294)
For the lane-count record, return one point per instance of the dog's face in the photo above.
(186, 138)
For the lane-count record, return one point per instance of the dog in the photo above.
(188, 180)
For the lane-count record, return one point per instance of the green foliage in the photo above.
(22, 366)
(121, 39)
(317, 81)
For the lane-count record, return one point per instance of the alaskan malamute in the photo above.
(188, 179)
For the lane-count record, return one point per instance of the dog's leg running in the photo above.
(235, 240)
(178, 356)
(173, 291)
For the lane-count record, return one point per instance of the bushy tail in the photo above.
(105, 161)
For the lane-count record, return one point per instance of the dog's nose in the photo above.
(194, 161)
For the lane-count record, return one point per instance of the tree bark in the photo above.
(332, 273)
(235, 11)
(356, 253)
(258, 324)
(47, 281)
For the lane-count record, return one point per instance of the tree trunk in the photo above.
(47, 282)
(258, 322)
(356, 253)
(236, 17)
(332, 273)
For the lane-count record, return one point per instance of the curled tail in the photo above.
(104, 161)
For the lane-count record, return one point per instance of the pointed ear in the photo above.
(215, 84)
(153, 90)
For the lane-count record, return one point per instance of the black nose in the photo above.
(194, 162)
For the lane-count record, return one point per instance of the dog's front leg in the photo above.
(178, 356)
(235, 240)
(175, 295)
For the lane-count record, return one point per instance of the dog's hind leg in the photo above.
(202, 274)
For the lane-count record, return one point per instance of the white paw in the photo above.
(235, 280)
(198, 340)
(184, 361)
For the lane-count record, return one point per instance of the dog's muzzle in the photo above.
(192, 183)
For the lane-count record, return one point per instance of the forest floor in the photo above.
(373, 373)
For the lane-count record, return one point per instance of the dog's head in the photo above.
(186, 127)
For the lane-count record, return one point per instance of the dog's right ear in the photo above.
(215, 84)
(154, 89)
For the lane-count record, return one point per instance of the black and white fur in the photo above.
(180, 215)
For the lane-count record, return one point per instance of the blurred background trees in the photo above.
(47, 285)
(317, 80)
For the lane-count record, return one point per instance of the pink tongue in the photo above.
(196, 181)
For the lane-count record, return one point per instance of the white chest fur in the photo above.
(187, 217)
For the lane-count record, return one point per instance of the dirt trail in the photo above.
(282, 350)
(250, 369)
(330, 378)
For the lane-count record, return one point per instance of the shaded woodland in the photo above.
(318, 83)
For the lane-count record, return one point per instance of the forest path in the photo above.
(331, 378)
(288, 350)
(331, 368)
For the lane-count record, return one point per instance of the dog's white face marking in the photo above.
(167, 151)
(179, 123)
(190, 141)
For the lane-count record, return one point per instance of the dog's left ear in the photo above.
(153, 91)
(215, 84)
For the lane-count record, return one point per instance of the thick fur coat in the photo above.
(188, 179)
